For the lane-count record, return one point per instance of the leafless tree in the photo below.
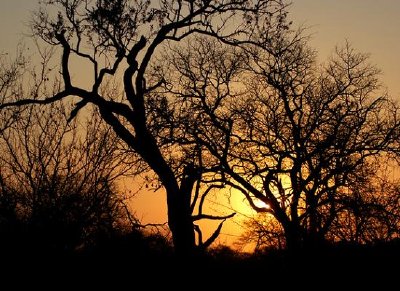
(316, 131)
(369, 207)
(11, 70)
(58, 179)
(282, 129)
(262, 231)
(119, 39)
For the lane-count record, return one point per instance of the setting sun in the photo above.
(262, 204)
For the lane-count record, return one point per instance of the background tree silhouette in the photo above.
(262, 231)
(57, 190)
(367, 213)
(119, 39)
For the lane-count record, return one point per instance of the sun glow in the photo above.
(262, 204)
(238, 203)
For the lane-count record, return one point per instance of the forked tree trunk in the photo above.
(178, 198)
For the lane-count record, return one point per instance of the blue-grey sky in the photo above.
(14, 17)
(371, 26)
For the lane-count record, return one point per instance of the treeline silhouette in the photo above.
(60, 208)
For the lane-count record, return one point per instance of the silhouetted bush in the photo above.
(60, 220)
(58, 189)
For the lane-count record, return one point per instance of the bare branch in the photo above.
(212, 217)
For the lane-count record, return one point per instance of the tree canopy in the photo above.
(282, 129)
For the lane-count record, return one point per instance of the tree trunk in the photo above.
(181, 224)
(314, 241)
(178, 199)
(294, 245)
(293, 238)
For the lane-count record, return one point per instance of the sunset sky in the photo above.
(371, 26)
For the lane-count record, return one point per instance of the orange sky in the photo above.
(371, 26)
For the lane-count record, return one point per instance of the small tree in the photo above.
(58, 179)
(368, 210)
(10, 73)
(264, 232)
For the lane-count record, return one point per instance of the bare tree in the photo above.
(369, 207)
(264, 232)
(283, 130)
(119, 39)
(58, 179)
(11, 70)
(317, 131)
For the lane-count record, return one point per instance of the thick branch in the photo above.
(23, 102)
(65, 58)
(107, 71)
(131, 95)
(212, 217)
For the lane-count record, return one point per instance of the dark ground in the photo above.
(125, 264)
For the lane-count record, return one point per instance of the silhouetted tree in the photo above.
(58, 188)
(368, 210)
(263, 232)
(11, 70)
(282, 129)
(119, 39)
(315, 130)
